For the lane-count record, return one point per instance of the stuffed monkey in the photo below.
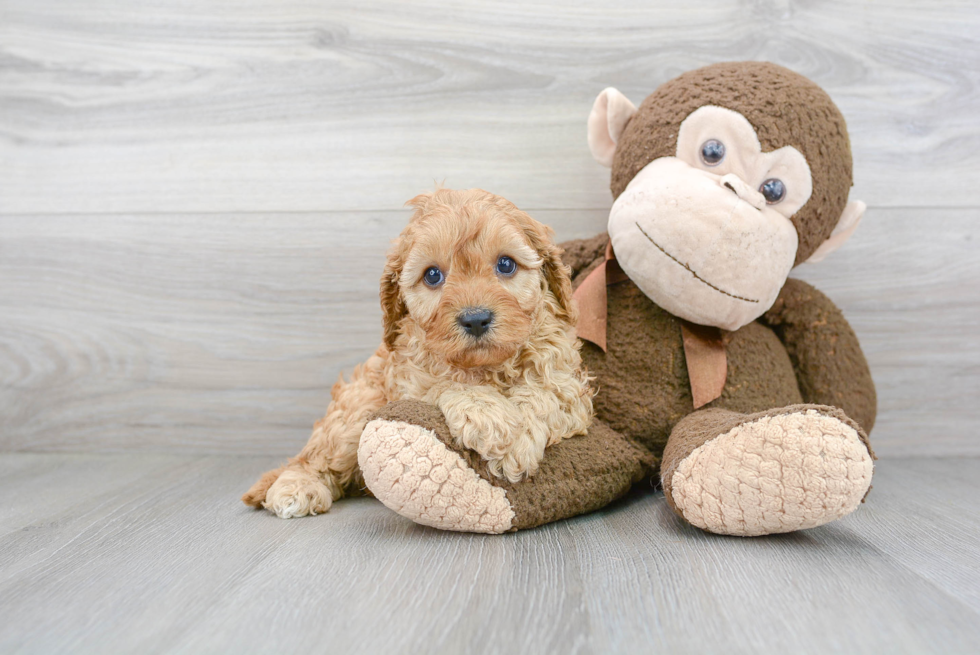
(745, 390)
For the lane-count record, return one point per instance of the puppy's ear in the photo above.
(392, 306)
(556, 274)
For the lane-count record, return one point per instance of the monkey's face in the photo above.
(724, 178)
(706, 234)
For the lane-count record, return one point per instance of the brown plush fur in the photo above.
(506, 395)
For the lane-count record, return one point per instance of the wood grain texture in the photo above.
(195, 201)
(150, 553)
(107, 106)
(297, 129)
(209, 333)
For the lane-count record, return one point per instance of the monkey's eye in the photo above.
(774, 190)
(712, 152)
(506, 265)
(433, 276)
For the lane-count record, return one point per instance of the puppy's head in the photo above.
(469, 274)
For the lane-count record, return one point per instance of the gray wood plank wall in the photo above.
(195, 198)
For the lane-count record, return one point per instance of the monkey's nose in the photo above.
(475, 321)
(743, 190)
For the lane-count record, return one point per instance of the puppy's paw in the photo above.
(255, 496)
(519, 461)
(297, 493)
(486, 422)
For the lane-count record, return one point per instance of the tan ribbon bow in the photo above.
(704, 346)
(591, 298)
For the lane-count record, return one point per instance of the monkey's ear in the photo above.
(610, 113)
(848, 222)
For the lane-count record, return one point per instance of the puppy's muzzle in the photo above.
(475, 321)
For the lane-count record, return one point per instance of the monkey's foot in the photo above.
(412, 464)
(790, 469)
(409, 469)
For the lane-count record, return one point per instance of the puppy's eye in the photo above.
(712, 152)
(506, 266)
(773, 190)
(433, 276)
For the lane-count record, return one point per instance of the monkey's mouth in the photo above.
(690, 270)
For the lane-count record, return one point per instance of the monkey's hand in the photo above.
(827, 358)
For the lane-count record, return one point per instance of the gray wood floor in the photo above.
(195, 199)
(154, 553)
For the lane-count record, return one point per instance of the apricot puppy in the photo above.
(479, 321)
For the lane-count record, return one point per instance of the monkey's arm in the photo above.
(580, 253)
(826, 355)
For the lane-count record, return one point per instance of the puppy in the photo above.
(478, 320)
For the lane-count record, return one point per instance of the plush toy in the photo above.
(744, 389)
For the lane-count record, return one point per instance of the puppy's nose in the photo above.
(475, 321)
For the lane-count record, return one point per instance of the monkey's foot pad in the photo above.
(410, 470)
(774, 474)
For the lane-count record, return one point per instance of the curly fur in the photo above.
(507, 395)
